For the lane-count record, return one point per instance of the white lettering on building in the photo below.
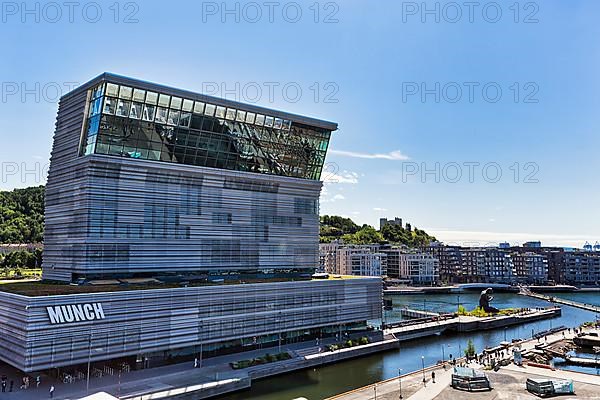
(75, 313)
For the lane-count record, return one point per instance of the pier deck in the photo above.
(469, 324)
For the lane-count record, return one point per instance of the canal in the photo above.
(319, 383)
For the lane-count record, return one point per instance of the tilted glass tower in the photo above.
(148, 181)
(190, 225)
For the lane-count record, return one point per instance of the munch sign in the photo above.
(75, 313)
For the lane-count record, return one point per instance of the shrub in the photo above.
(470, 350)
(363, 340)
(479, 312)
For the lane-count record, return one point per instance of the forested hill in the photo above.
(22, 215)
(335, 227)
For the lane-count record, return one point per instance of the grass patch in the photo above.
(266, 359)
(20, 273)
(349, 343)
(479, 312)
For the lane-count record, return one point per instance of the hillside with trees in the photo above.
(335, 227)
(22, 215)
(413, 238)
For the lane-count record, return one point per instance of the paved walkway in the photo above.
(442, 380)
(412, 384)
(159, 378)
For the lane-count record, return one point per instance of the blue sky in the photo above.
(364, 65)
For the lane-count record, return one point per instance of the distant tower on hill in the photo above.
(384, 221)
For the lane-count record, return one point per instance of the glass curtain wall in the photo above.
(134, 123)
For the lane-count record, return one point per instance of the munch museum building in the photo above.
(177, 225)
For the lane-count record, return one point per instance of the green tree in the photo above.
(413, 238)
(334, 227)
(470, 350)
(366, 235)
(22, 215)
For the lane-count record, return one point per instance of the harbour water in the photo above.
(326, 381)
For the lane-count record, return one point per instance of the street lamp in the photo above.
(87, 385)
(400, 382)
(375, 389)
(96, 350)
(279, 333)
(597, 351)
(423, 369)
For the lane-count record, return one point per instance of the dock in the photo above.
(455, 323)
(583, 362)
(411, 313)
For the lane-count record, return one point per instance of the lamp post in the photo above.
(443, 355)
(596, 351)
(279, 339)
(423, 369)
(375, 389)
(87, 384)
(202, 341)
(400, 382)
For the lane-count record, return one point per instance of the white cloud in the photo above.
(326, 199)
(342, 177)
(379, 209)
(395, 155)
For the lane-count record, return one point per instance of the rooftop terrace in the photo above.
(49, 288)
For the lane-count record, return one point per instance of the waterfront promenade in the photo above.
(182, 381)
(507, 383)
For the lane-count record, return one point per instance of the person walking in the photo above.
(433, 376)
(196, 362)
(10, 387)
(51, 391)
(3, 386)
(38, 380)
